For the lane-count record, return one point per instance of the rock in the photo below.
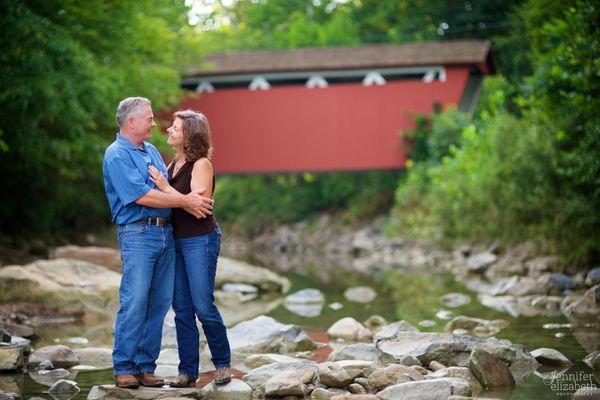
(360, 294)
(392, 330)
(455, 299)
(257, 377)
(478, 327)
(358, 351)
(289, 383)
(427, 323)
(62, 275)
(99, 357)
(356, 388)
(239, 288)
(547, 356)
(110, 392)
(19, 330)
(60, 356)
(235, 271)
(460, 372)
(375, 322)
(234, 390)
(11, 358)
(480, 262)
(538, 265)
(356, 368)
(306, 296)
(9, 396)
(104, 256)
(63, 389)
(265, 335)
(364, 382)
(349, 329)
(587, 393)
(45, 365)
(592, 360)
(490, 370)
(391, 375)
(431, 389)
(444, 314)
(322, 393)
(355, 397)
(562, 281)
(332, 374)
(593, 277)
(336, 306)
(258, 360)
(586, 307)
(436, 366)
(453, 350)
(50, 377)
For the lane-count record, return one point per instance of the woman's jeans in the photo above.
(146, 291)
(193, 297)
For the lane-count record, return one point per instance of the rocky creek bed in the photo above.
(415, 336)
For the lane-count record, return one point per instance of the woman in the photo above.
(197, 244)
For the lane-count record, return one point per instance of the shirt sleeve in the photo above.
(127, 180)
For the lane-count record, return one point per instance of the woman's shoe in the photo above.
(223, 376)
(183, 381)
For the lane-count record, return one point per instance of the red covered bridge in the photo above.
(329, 109)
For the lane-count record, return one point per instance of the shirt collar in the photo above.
(128, 143)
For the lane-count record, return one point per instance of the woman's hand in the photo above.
(158, 179)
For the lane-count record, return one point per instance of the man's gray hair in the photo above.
(130, 105)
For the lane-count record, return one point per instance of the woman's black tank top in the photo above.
(186, 225)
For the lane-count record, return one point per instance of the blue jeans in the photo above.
(148, 255)
(195, 271)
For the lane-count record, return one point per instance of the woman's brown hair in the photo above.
(197, 142)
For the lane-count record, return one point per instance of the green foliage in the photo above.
(66, 64)
(252, 202)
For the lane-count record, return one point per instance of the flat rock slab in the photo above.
(111, 392)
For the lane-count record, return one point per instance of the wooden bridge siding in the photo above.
(342, 127)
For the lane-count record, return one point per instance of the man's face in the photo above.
(143, 122)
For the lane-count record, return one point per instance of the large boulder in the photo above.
(462, 373)
(60, 356)
(110, 392)
(105, 256)
(430, 389)
(265, 335)
(63, 282)
(584, 307)
(452, 350)
(11, 358)
(349, 329)
(235, 271)
(489, 369)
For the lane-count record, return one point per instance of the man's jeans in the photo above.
(146, 292)
(195, 271)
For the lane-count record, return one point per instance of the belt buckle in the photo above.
(161, 221)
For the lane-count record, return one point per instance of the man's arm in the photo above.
(157, 199)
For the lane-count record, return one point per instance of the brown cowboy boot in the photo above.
(150, 380)
(126, 381)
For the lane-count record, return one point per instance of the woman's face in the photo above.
(175, 138)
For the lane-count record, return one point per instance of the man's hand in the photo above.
(202, 206)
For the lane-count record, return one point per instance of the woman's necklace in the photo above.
(178, 165)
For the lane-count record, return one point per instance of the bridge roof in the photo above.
(447, 52)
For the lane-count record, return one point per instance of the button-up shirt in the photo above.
(126, 179)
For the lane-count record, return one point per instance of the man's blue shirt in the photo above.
(126, 179)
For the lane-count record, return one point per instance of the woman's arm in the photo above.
(161, 183)
(202, 176)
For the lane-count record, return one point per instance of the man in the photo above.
(146, 242)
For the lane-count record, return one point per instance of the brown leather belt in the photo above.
(154, 221)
